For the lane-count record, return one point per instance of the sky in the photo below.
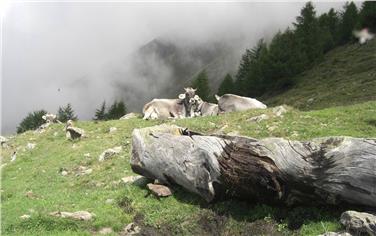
(54, 53)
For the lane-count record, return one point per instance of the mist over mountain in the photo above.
(163, 67)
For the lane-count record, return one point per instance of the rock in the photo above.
(83, 170)
(30, 146)
(3, 141)
(105, 230)
(359, 222)
(112, 130)
(56, 133)
(310, 100)
(78, 215)
(131, 229)
(131, 179)
(109, 153)
(335, 234)
(30, 194)
(109, 201)
(159, 190)
(25, 217)
(258, 118)
(234, 133)
(279, 111)
(73, 132)
(129, 116)
(13, 157)
(64, 172)
(87, 155)
(49, 118)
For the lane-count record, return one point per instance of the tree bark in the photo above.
(331, 170)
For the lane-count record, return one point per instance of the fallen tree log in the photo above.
(331, 170)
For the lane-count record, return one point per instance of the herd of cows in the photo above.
(189, 104)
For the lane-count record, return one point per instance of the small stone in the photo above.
(87, 155)
(30, 146)
(25, 217)
(359, 222)
(109, 201)
(64, 173)
(335, 234)
(106, 230)
(112, 130)
(310, 100)
(78, 215)
(109, 153)
(279, 111)
(56, 133)
(13, 157)
(129, 116)
(132, 229)
(159, 190)
(131, 179)
(258, 118)
(29, 194)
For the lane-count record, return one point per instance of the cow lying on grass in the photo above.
(171, 108)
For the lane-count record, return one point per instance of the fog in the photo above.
(83, 53)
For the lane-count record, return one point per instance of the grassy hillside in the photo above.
(39, 170)
(347, 75)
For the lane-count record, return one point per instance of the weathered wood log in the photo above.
(332, 170)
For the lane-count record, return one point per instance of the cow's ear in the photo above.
(181, 96)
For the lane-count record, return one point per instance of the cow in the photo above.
(231, 102)
(202, 108)
(171, 108)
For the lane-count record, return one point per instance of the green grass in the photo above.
(38, 170)
(347, 75)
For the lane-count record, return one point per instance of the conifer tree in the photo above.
(367, 15)
(116, 110)
(349, 21)
(66, 113)
(227, 86)
(201, 83)
(32, 121)
(100, 113)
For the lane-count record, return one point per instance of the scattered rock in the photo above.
(211, 124)
(30, 194)
(129, 116)
(112, 130)
(109, 153)
(106, 230)
(78, 215)
(30, 146)
(64, 173)
(310, 100)
(131, 179)
(25, 217)
(131, 229)
(258, 118)
(50, 118)
(73, 132)
(13, 157)
(234, 133)
(271, 128)
(335, 234)
(109, 201)
(279, 111)
(83, 170)
(56, 133)
(159, 190)
(3, 141)
(87, 155)
(359, 222)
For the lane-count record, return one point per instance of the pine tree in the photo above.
(201, 83)
(32, 121)
(227, 86)
(329, 34)
(308, 32)
(66, 113)
(116, 110)
(367, 15)
(349, 21)
(100, 114)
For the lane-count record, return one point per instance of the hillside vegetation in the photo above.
(347, 75)
(39, 170)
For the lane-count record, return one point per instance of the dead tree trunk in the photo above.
(330, 170)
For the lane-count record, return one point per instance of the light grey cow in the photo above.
(171, 108)
(202, 108)
(231, 102)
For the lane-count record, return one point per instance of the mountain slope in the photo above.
(34, 184)
(347, 75)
